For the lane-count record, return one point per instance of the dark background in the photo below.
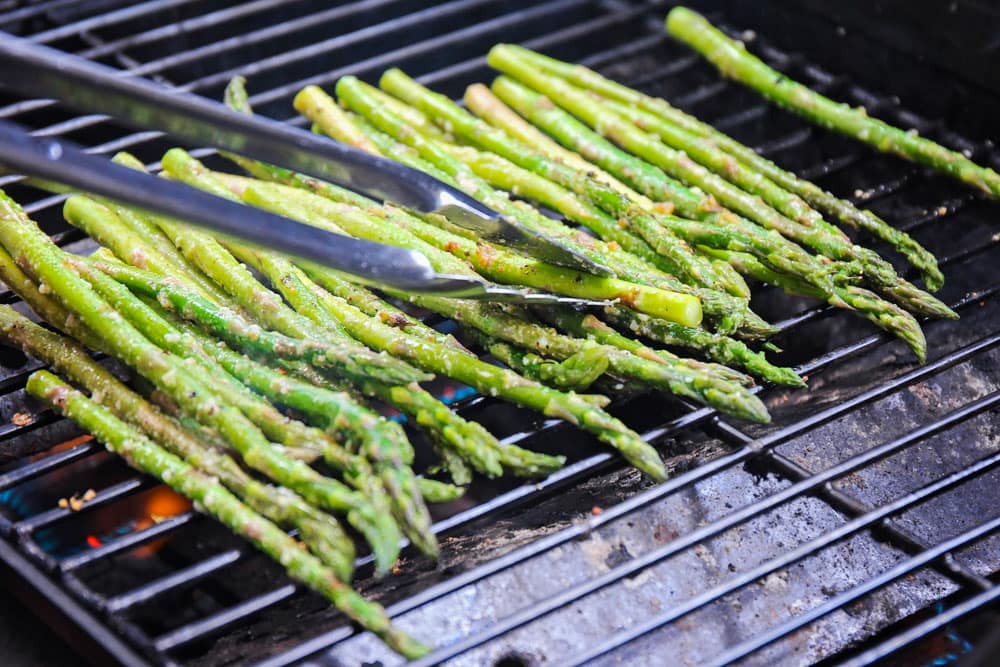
(25, 641)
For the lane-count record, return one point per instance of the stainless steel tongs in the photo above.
(40, 71)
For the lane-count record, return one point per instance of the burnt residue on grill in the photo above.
(594, 562)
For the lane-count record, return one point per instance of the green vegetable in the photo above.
(734, 61)
(146, 456)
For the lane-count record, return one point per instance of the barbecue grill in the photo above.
(860, 523)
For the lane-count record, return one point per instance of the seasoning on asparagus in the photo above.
(146, 456)
(652, 114)
(722, 230)
(318, 530)
(674, 375)
(719, 348)
(43, 261)
(758, 192)
(208, 255)
(463, 124)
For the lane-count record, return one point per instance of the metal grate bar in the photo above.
(174, 580)
(126, 542)
(215, 48)
(51, 462)
(866, 520)
(427, 46)
(576, 31)
(840, 601)
(924, 629)
(851, 506)
(342, 41)
(106, 19)
(206, 626)
(187, 26)
(541, 608)
(43, 418)
(34, 10)
(646, 498)
(631, 49)
(103, 497)
(264, 34)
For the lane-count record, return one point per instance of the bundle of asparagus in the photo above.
(264, 377)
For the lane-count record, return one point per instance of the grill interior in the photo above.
(863, 516)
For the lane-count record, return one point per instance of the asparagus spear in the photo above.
(588, 326)
(484, 103)
(749, 265)
(345, 356)
(450, 115)
(543, 113)
(320, 531)
(316, 211)
(443, 425)
(313, 103)
(726, 231)
(398, 480)
(792, 185)
(676, 376)
(720, 348)
(146, 456)
(434, 491)
(816, 232)
(41, 259)
(652, 114)
(147, 227)
(810, 231)
(722, 306)
(735, 62)
(498, 263)
(576, 373)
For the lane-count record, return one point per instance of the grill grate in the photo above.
(855, 376)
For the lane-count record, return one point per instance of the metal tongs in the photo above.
(39, 71)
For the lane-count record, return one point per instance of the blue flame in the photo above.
(962, 645)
